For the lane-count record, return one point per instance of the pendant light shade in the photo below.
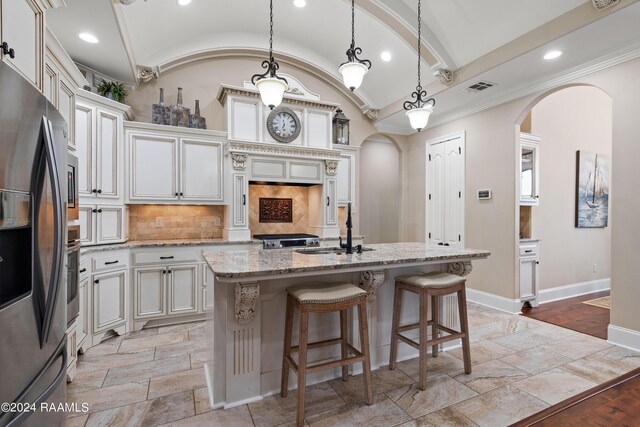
(272, 91)
(354, 70)
(271, 86)
(352, 74)
(419, 110)
(419, 117)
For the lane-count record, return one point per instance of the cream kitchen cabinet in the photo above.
(110, 301)
(346, 177)
(101, 224)
(172, 165)
(529, 184)
(82, 325)
(22, 29)
(165, 290)
(529, 271)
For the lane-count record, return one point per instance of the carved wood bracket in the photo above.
(462, 268)
(239, 160)
(331, 167)
(603, 4)
(246, 299)
(370, 281)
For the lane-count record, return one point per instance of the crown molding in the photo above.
(621, 56)
(271, 149)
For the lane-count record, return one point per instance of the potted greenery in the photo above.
(112, 90)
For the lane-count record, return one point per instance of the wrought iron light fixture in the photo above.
(420, 109)
(271, 86)
(354, 69)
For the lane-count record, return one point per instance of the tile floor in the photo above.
(155, 377)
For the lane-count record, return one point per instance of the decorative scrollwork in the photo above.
(352, 56)
(462, 268)
(603, 4)
(239, 160)
(272, 67)
(146, 74)
(419, 102)
(246, 299)
(445, 76)
(331, 167)
(370, 281)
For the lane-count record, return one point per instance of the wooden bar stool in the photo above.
(324, 298)
(430, 286)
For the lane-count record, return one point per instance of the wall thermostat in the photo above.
(484, 194)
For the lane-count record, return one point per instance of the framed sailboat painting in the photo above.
(592, 190)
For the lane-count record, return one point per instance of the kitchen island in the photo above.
(246, 325)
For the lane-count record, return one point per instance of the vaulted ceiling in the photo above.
(501, 41)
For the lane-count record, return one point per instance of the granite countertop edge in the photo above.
(133, 244)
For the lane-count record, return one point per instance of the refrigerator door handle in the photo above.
(61, 351)
(58, 217)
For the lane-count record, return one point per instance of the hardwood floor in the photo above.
(614, 403)
(570, 313)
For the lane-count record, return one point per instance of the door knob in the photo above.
(8, 51)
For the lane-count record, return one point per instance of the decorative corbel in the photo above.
(445, 76)
(146, 74)
(462, 268)
(370, 281)
(239, 161)
(246, 300)
(331, 167)
(603, 4)
(370, 113)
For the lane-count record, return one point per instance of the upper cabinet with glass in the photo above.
(529, 190)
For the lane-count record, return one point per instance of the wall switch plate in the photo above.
(484, 194)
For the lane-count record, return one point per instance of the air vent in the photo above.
(479, 86)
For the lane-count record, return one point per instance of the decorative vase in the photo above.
(159, 113)
(195, 120)
(179, 113)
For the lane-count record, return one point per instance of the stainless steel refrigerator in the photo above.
(33, 152)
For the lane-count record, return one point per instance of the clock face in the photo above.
(283, 125)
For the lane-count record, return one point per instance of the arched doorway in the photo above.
(380, 207)
(569, 260)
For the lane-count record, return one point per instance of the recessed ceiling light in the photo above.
(386, 56)
(88, 37)
(299, 3)
(553, 54)
(184, 2)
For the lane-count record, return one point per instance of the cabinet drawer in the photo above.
(112, 261)
(165, 257)
(528, 250)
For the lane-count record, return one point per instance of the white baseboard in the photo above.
(623, 337)
(511, 306)
(574, 290)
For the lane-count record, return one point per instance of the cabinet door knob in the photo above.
(168, 271)
(6, 50)
(99, 191)
(96, 281)
(94, 191)
(177, 194)
(181, 194)
(94, 210)
(164, 271)
(538, 262)
(99, 210)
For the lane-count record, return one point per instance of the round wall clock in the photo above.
(283, 124)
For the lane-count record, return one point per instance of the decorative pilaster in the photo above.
(246, 300)
(239, 161)
(445, 76)
(462, 268)
(331, 167)
(603, 4)
(370, 281)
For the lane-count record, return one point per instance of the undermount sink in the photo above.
(329, 250)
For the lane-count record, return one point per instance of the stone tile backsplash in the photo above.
(300, 216)
(172, 222)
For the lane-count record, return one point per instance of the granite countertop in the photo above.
(252, 263)
(132, 244)
(529, 240)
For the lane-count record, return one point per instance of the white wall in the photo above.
(576, 118)
(380, 191)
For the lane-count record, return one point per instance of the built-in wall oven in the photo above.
(73, 208)
(73, 275)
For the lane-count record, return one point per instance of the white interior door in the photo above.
(445, 191)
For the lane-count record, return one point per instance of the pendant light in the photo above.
(354, 69)
(419, 110)
(271, 86)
